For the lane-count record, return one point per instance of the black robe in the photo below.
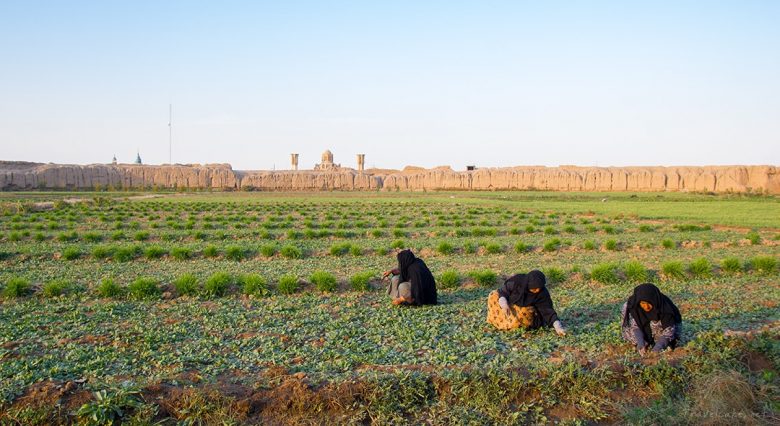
(414, 270)
(663, 310)
(515, 291)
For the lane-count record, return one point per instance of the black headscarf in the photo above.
(663, 309)
(516, 291)
(416, 272)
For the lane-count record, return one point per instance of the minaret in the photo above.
(361, 162)
(294, 161)
(138, 158)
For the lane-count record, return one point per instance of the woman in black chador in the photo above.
(412, 283)
(523, 301)
(651, 320)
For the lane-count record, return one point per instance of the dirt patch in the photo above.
(758, 362)
(11, 345)
(88, 339)
(69, 396)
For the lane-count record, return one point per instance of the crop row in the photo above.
(238, 252)
(221, 283)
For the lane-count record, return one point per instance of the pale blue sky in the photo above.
(491, 83)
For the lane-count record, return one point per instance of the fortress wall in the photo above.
(31, 176)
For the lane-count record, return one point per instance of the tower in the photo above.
(361, 162)
(138, 158)
(113, 161)
(294, 161)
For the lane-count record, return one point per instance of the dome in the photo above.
(327, 156)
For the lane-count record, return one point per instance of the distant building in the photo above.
(361, 162)
(138, 158)
(327, 162)
(113, 161)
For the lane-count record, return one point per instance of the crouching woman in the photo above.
(650, 320)
(523, 301)
(412, 283)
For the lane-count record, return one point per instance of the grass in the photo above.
(217, 284)
(522, 247)
(448, 280)
(154, 252)
(236, 253)
(288, 284)
(731, 265)
(361, 281)
(55, 288)
(764, 264)
(144, 288)
(71, 253)
(254, 285)
(674, 270)
(635, 272)
(210, 251)
(554, 275)
(187, 285)
(552, 245)
(125, 254)
(700, 268)
(605, 273)
(754, 238)
(339, 249)
(108, 288)
(181, 253)
(268, 250)
(16, 287)
(324, 281)
(494, 248)
(445, 248)
(291, 252)
(484, 278)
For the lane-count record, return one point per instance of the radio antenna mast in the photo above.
(170, 134)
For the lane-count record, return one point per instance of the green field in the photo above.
(202, 308)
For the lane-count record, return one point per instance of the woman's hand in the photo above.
(559, 328)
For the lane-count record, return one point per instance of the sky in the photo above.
(425, 83)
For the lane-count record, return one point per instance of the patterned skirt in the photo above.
(521, 317)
